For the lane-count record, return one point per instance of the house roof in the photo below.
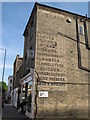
(51, 9)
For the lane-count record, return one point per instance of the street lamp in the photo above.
(3, 64)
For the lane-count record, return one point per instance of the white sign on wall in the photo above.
(43, 93)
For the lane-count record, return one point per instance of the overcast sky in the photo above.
(14, 20)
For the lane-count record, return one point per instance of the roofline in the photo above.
(10, 76)
(21, 58)
(19, 67)
(42, 5)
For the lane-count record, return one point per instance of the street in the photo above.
(11, 113)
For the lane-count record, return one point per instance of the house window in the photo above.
(30, 53)
(81, 30)
(11, 81)
(10, 88)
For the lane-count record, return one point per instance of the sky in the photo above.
(14, 19)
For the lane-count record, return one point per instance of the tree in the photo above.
(4, 87)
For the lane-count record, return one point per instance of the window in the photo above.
(10, 88)
(30, 53)
(10, 80)
(81, 30)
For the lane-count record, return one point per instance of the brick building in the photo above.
(17, 74)
(10, 83)
(56, 64)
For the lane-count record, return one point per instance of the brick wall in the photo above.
(56, 62)
(16, 66)
(29, 43)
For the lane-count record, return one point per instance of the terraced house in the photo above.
(17, 74)
(56, 64)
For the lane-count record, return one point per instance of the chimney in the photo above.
(17, 56)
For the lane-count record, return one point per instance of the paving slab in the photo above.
(11, 113)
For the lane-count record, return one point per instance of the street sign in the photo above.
(28, 79)
(43, 93)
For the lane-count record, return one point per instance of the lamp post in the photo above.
(3, 65)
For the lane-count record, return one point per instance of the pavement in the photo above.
(11, 113)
